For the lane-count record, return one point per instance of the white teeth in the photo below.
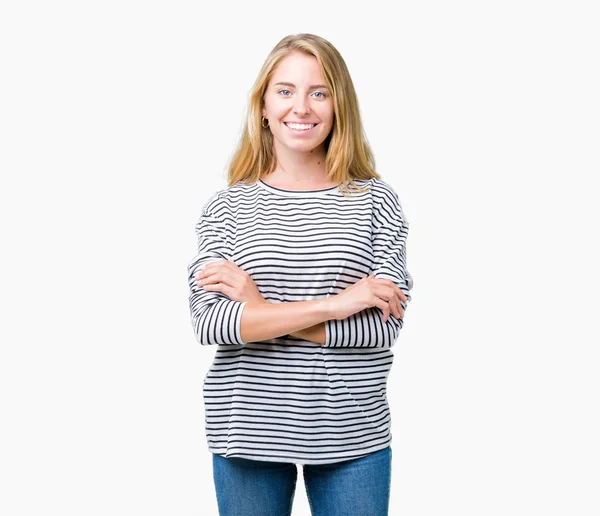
(300, 127)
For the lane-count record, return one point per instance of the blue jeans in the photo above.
(357, 487)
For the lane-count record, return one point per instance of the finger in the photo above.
(393, 307)
(216, 276)
(393, 304)
(210, 264)
(385, 291)
(398, 290)
(204, 270)
(223, 288)
(398, 311)
(223, 267)
(389, 294)
(384, 306)
(401, 294)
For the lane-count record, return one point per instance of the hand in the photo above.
(366, 293)
(226, 277)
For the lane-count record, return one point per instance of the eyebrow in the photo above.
(293, 85)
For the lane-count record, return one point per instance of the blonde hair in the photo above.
(349, 155)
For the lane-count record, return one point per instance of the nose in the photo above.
(301, 106)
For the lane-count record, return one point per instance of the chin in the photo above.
(303, 146)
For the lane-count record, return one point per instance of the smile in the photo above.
(299, 127)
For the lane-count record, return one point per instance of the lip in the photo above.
(305, 131)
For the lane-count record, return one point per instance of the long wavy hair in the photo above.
(349, 155)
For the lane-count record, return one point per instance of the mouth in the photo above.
(300, 128)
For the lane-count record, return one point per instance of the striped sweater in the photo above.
(286, 399)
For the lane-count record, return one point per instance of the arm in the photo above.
(314, 333)
(390, 229)
(261, 321)
(216, 318)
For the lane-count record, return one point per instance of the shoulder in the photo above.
(225, 199)
(386, 200)
(384, 193)
(383, 189)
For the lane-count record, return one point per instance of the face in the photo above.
(297, 94)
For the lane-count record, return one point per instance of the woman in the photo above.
(300, 280)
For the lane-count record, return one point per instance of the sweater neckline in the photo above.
(297, 193)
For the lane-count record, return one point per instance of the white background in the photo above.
(117, 119)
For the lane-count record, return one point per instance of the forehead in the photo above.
(298, 67)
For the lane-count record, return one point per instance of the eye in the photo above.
(323, 95)
(282, 91)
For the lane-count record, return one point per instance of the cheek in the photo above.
(275, 107)
(327, 114)
(328, 120)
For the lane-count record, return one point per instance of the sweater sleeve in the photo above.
(390, 229)
(216, 319)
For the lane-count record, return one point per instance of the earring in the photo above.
(262, 120)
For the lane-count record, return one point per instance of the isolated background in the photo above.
(117, 120)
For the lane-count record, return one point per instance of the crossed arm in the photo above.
(218, 319)
(315, 333)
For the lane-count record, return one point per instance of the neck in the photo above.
(300, 167)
